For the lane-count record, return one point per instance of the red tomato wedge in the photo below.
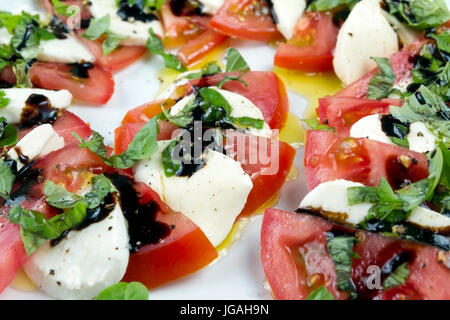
(184, 251)
(117, 60)
(198, 47)
(246, 19)
(329, 157)
(97, 89)
(310, 49)
(402, 65)
(342, 112)
(296, 261)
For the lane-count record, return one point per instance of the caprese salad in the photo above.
(375, 224)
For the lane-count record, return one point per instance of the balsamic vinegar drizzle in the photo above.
(135, 12)
(81, 70)
(142, 225)
(38, 110)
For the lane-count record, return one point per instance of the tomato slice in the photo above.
(184, 251)
(329, 157)
(198, 47)
(117, 60)
(246, 19)
(402, 65)
(310, 49)
(342, 112)
(96, 89)
(295, 260)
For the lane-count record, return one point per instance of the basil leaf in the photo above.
(314, 124)
(6, 179)
(8, 133)
(97, 28)
(10, 21)
(209, 70)
(170, 165)
(442, 40)
(235, 62)
(247, 122)
(420, 14)
(183, 118)
(381, 83)
(101, 187)
(321, 293)
(111, 42)
(214, 98)
(231, 78)
(59, 197)
(142, 146)
(124, 291)
(4, 100)
(398, 277)
(64, 9)
(35, 229)
(22, 77)
(356, 195)
(155, 46)
(341, 253)
(327, 5)
(445, 177)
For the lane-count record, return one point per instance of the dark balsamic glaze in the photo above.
(397, 260)
(58, 28)
(273, 14)
(92, 216)
(81, 70)
(26, 178)
(186, 7)
(37, 111)
(389, 126)
(85, 23)
(134, 11)
(29, 30)
(142, 225)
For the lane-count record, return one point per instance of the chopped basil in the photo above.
(20, 70)
(170, 165)
(141, 147)
(4, 101)
(111, 42)
(155, 46)
(340, 249)
(124, 291)
(235, 61)
(208, 70)
(321, 293)
(10, 21)
(6, 179)
(398, 277)
(326, 5)
(356, 195)
(154, 5)
(65, 9)
(213, 97)
(101, 187)
(420, 14)
(36, 229)
(97, 28)
(8, 133)
(380, 86)
(442, 40)
(314, 124)
(248, 122)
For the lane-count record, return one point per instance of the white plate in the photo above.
(237, 275)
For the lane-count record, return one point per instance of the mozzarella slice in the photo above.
(18, 97)
(37, 143)
(85, 262)
(369, 127)
(288, 14)
(366, 33)
(330, 200)
(212, 197)
(135, 32)
(211, 6)
(69, 50)
(420, 138)
(241, 107)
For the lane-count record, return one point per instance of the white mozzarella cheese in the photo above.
(69, 50)
(211, 6)
(369, 127)
(85, 262)
(420, 138)
(331, 201)
(135, 32)
(366, 33)
(288, 14)
(405, 34)
(241, 107)
(330, 198)
(212, 197)
(18, 97)
(37, 143)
